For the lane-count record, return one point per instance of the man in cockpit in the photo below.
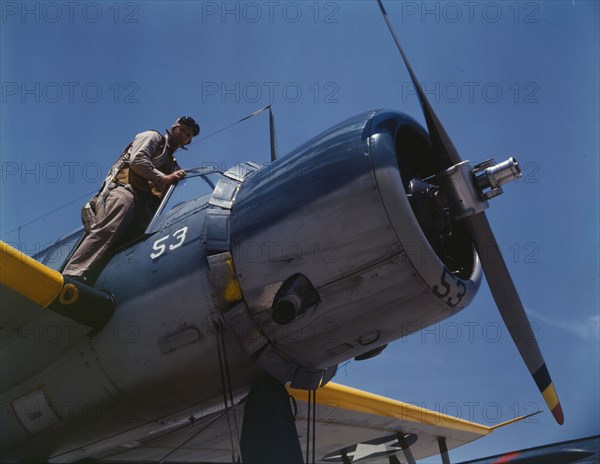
(130, 194)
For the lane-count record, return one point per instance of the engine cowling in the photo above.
(341, 248)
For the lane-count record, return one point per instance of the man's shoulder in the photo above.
(150, 136)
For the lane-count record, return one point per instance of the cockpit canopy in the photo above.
(186, 196)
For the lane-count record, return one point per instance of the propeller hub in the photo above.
(492, 176)
(466, 189)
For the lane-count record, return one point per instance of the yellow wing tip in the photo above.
(353, 399)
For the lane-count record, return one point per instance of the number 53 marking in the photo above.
(159, 247)
(442, 291)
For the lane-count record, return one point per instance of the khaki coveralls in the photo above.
(126, 199)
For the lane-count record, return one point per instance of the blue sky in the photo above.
(506, 78)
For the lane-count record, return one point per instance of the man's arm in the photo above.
(142, 151)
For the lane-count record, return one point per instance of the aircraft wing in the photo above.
(32, 338)
(38, 319)
(361, 426)
(581, 451)
(366, 426)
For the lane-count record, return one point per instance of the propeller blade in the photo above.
(499, 280)
(511, 309)
(269, 434)
(439, 138)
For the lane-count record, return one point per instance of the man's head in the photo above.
(184, 129)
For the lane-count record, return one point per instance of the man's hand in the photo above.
(173, 177)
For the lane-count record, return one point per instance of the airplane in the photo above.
(251, 286)
(581, 451)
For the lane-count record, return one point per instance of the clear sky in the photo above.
(79, 79)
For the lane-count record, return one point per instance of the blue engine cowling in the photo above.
(337, 253)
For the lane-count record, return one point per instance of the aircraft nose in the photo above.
(330, 255)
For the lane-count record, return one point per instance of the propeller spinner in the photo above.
(461, 179)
